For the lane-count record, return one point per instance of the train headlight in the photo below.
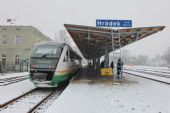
(33, 66)
(51, 67)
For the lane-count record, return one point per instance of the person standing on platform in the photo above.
(112, 65)
(0, 67)
(102, 64)
(119, 67)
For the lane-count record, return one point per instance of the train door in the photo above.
(69, 61)
(66, 60)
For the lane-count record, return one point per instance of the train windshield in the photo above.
(47, 51)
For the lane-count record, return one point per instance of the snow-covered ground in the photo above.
(11, 91)
(135, 95)
(158, 78)
(9, 75)
(161, 69)
(149, 69)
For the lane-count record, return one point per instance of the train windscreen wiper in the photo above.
(49, 53)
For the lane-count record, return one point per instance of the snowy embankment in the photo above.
(11, 91)
(135, 95)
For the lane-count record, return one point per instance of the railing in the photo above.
(11, 67)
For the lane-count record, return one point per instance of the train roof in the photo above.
(58, 45)
(50, 43)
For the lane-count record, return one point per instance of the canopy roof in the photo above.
(92, 41)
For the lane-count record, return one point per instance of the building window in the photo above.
(4, 29)
(3, 60)
(17, 59)
(18, 40)
(4, 40)
(17, 29)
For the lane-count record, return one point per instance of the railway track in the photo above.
(154, 71)
(33, 101)
(150, 72)
(7, 81)
(157, 77)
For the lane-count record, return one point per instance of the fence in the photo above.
(11, 67)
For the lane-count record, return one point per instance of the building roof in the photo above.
(92, 40)
(25, 26)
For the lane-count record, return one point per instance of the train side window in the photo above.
(71, 55)
(58, 52)
(66, 57)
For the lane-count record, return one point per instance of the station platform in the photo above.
(92, 74)
(88, 92)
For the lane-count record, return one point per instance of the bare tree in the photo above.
(62, 37)
(127, 58)
(136, 60)
(142, 60)
(166, 55)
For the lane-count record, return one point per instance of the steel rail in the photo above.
(146, 72)
(13, 100)
(8, 81)
(147, 78)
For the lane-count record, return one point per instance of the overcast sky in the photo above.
(50, 15)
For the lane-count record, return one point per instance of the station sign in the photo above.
(113, 23)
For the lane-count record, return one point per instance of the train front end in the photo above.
(43, 63)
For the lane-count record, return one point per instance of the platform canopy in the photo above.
(92, 41)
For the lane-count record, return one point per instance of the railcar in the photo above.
(53, 63)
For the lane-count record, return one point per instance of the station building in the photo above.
(16, 43)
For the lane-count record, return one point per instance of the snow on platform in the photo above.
(11, 91)
(135, 95)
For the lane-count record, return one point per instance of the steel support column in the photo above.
(106, 63)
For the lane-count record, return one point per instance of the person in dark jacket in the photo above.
(0, 67)
(112, 65)
(102, 64)
(119, 67)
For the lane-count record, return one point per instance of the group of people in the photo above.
(119, 66)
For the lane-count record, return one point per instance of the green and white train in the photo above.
(53, 63)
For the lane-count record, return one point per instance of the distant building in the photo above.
(16, 43)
